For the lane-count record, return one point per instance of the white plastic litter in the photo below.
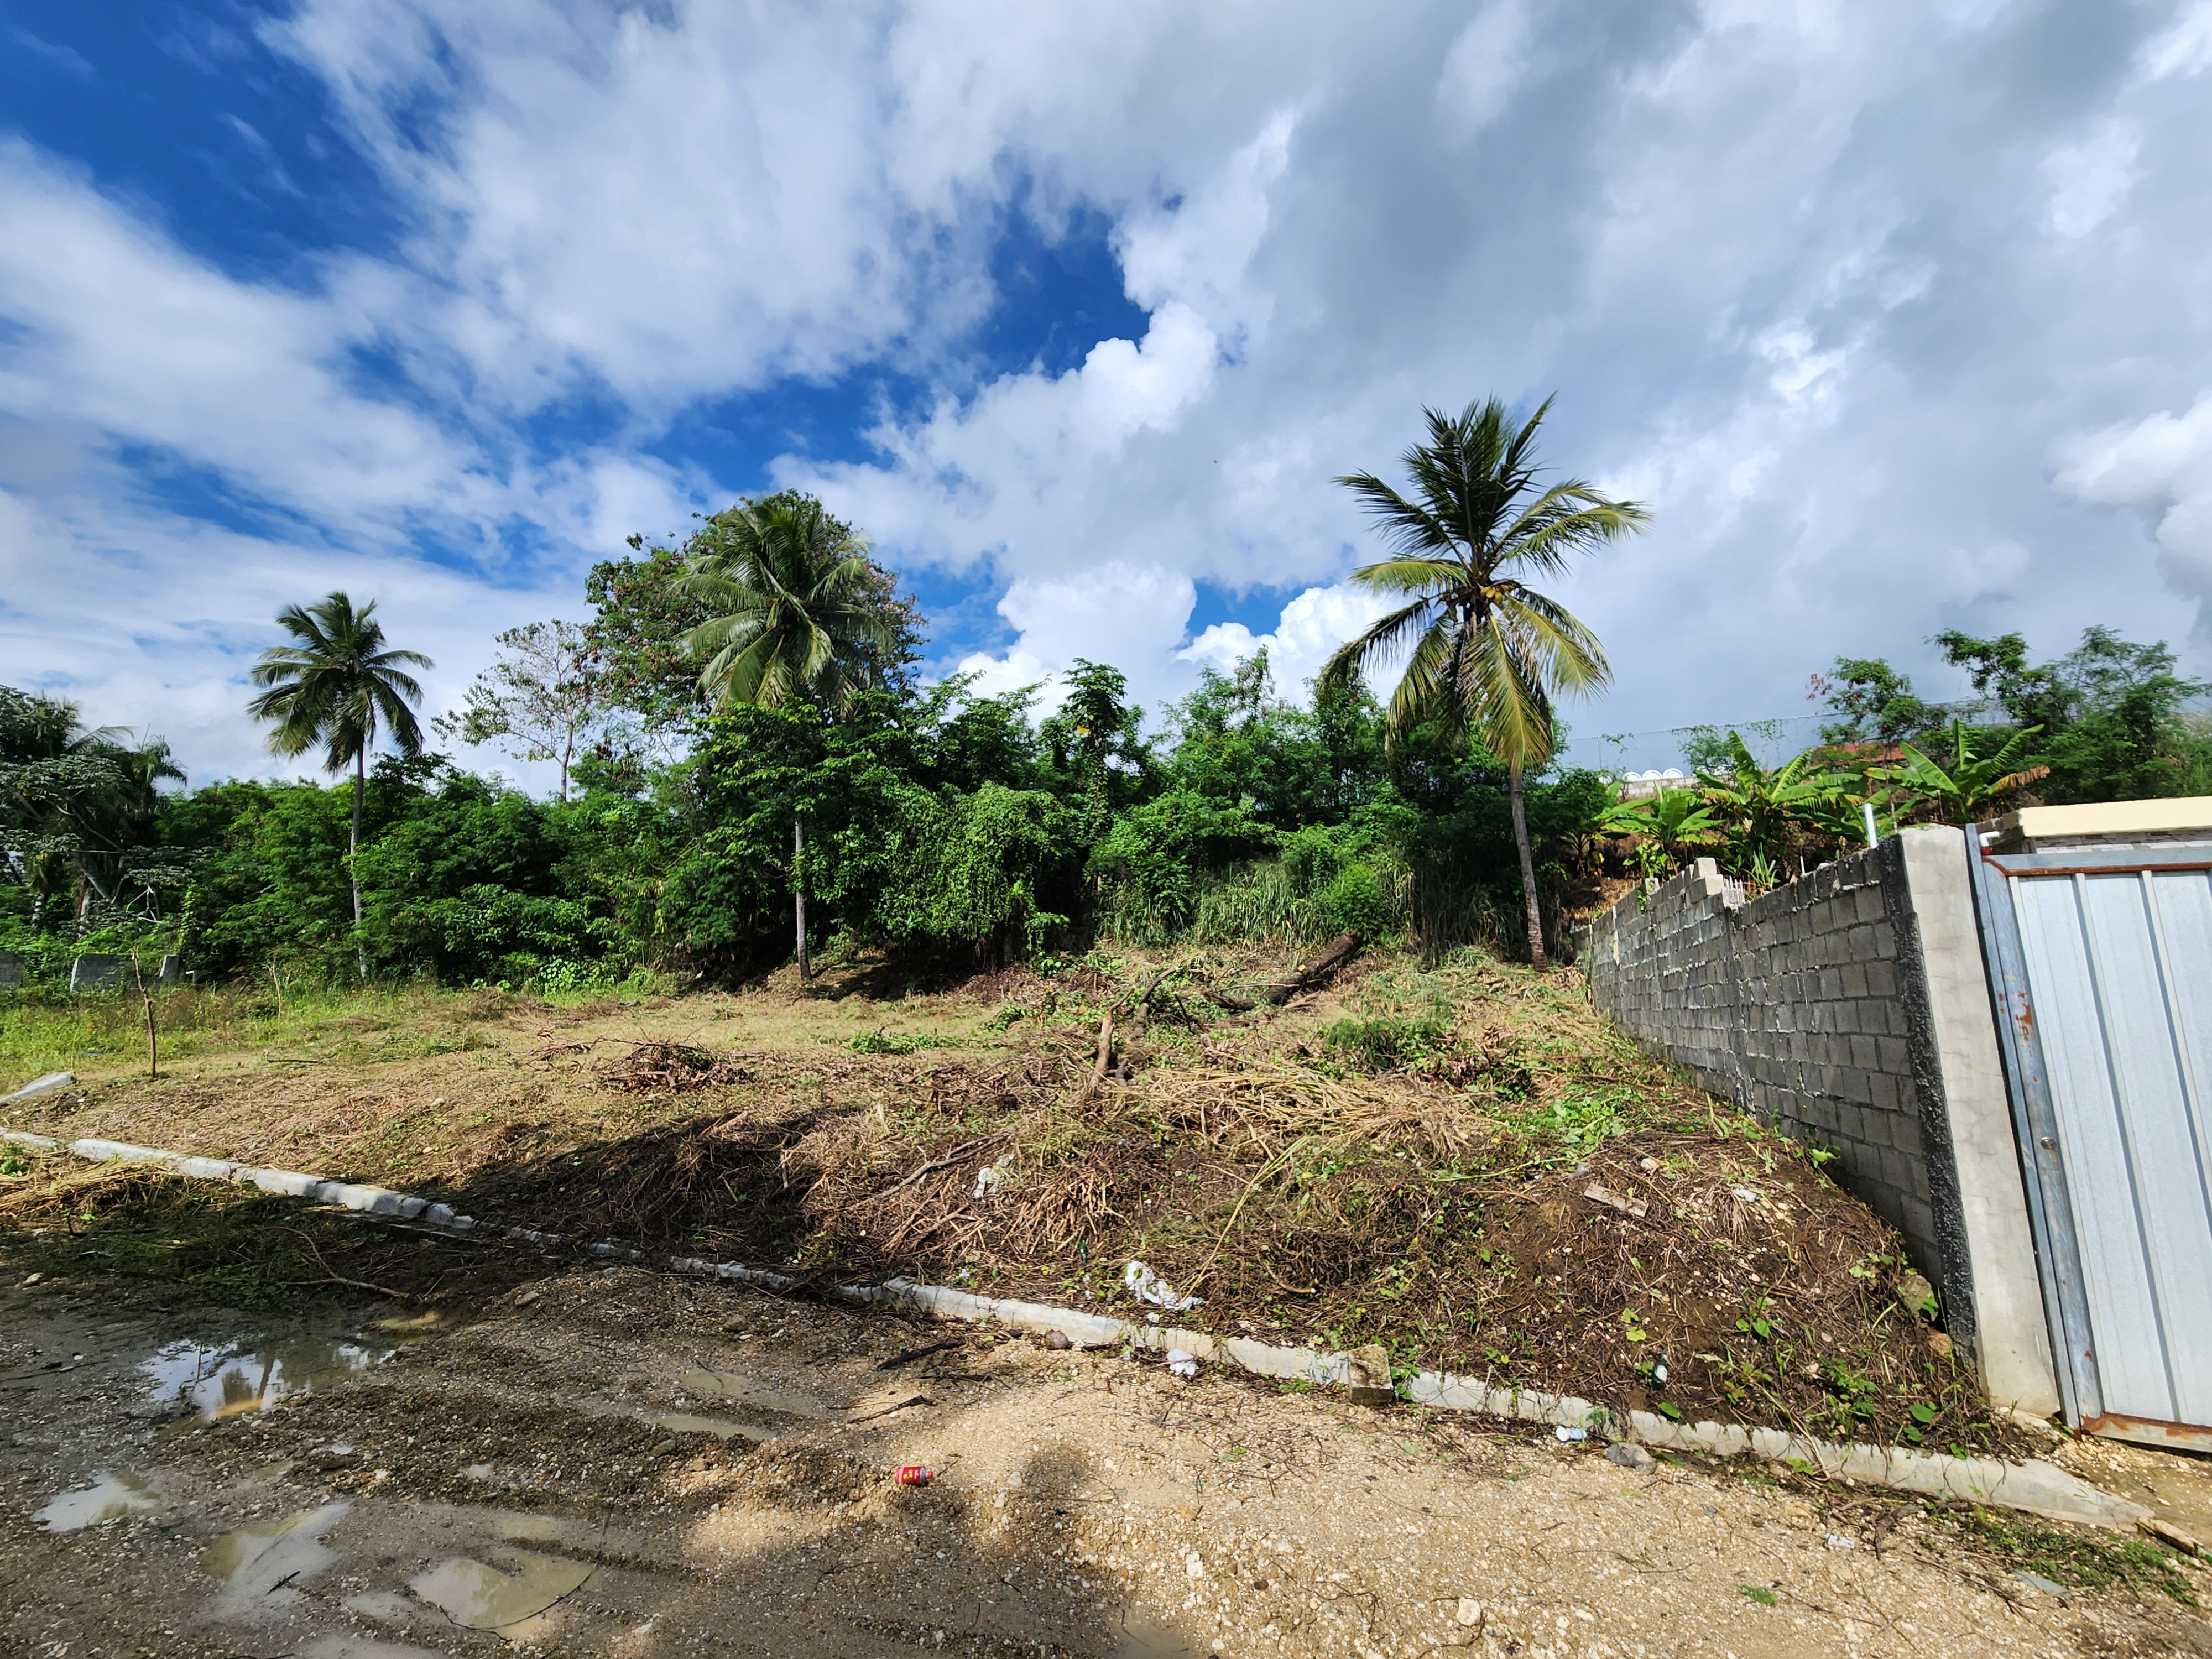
(1184, 1365)
(989, 1179)
(1746, 1195)
(1567, 1433)
(1837, 1541)
(1146, 1285)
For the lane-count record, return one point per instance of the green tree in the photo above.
(1669, 823)
(76, 804)
(798, 612)
(1486, 655)
(545, 697)
(1872, 702)
(2109, 711)
(334, 690)
(790, 593)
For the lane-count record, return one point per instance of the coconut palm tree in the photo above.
(792, 593)
(1485, 656)
(332, 690)
(797, 613)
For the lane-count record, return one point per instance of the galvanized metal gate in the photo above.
(2101, 966)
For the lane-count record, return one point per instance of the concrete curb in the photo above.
(2036, 1488)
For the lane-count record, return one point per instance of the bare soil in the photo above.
(604, 1461)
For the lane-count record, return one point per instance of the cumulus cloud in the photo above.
(1311, 627)
(2161, 467)
(1823, 285)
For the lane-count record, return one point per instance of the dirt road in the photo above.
(609, 1462)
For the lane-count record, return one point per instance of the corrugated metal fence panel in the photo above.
(2119, 966)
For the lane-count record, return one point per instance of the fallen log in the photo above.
(1337, 950)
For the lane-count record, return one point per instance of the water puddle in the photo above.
(478, 1597)
(110, 1497)
(721, 1427)
(729, 1385)
(225, 1379)
(259, 1564)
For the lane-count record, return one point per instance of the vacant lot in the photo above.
(1458, 1161)
(323, 1437)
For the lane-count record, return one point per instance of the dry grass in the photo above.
(1438, 1206)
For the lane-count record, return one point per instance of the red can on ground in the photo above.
(915, 1475)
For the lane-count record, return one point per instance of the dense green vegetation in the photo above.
(2107, 722)
(948, 832)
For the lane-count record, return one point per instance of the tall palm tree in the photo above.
(332, 689)
(791, 590)
(1485, 654)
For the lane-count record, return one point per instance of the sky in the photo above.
(1897, 317)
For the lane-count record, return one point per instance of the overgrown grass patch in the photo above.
(2077, 1558)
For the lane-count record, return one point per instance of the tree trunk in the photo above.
(1528, 873)
(799, 890)
(352, 867)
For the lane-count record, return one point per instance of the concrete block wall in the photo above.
(1849, 1010)
(1787, 1006)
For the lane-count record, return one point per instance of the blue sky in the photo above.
(1894, 315)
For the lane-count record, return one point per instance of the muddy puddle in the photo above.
(110, 1497)
(220, 1380)
(479, 1597)
(259, 1565)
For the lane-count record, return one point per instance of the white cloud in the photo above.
(1823, 284)
(1124, 616)
(1485, 67)
(2089, 180)
(2161, 467)
(2184, 47)
(1311, 627)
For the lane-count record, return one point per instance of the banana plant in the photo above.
(1757, 807)
(1963, 790)
(1673, 818)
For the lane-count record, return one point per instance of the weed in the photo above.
(1385, 1045)
(898, 1042)
(2079, 1560)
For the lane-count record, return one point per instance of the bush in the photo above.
(1383, 1045)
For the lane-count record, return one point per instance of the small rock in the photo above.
(527, 1297)
(1194, 1569)
(1470, 1612)
(1649, 1165)
(1629, 1457)
(1939, 1344)
(1918, 1295)
(1367, 1377)
(662, 1447)
(2167, 1533)
(1058, 1340)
